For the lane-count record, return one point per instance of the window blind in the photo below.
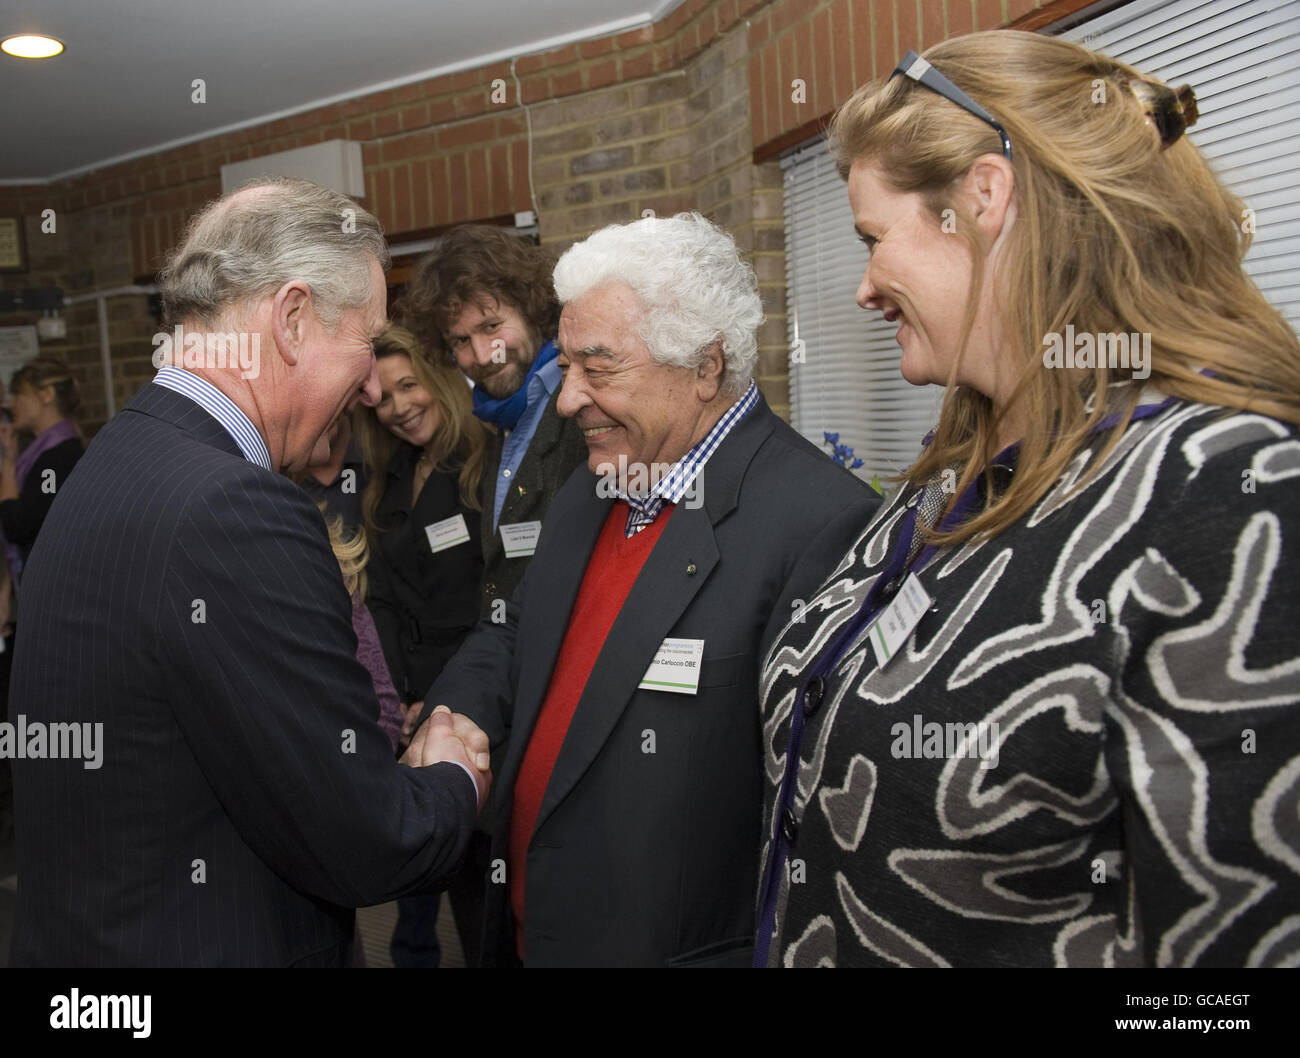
(844, 374)
(1243, 62)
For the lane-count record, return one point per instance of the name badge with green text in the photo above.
(676, 667)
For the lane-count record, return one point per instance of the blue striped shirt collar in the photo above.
(677, 481)
(221, 408)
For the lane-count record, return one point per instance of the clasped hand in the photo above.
(448, 736)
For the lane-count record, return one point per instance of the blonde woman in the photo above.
(424, 449)
(1046, 711)
(352, 552)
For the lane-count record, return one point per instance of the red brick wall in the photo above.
(664, 118)
(835, 45)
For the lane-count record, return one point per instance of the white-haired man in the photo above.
(184, 615)
(626, 822)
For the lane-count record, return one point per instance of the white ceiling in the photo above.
(122, 87)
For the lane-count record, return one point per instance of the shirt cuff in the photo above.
(472, 780)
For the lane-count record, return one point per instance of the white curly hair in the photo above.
(692, 284)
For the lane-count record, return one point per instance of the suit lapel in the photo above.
(661, 594)
(487, 495)
(518, 506)
(554, 582)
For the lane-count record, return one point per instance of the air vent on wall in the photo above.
(334, 164)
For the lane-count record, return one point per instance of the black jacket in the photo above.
(555, 450)
(651, 858)
(424, 602)
(21, 518)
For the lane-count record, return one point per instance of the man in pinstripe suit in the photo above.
(183, 594)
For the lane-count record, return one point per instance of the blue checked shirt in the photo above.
(673, 485)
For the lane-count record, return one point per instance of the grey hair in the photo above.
(264, 235)
(688, 276)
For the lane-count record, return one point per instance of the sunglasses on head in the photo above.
(920, 71)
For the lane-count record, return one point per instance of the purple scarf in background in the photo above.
(63, 430)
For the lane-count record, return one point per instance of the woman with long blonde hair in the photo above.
(424, 452)
(424, 449)
(1047, 710)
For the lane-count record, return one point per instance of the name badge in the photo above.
(520, 539)
(890, 630)
(447, 533)
(676, 667)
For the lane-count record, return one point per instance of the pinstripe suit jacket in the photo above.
(188, 601)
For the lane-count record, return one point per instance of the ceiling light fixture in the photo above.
(31, 46)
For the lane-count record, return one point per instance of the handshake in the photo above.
(448, 736)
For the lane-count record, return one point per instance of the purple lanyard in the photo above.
(814, 684)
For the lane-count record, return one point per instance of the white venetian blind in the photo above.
(1242, 60)
(848, 381)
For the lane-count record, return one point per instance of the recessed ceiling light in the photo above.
(31, 46)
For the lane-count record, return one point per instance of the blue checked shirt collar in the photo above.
(221, 408)
(673, 486)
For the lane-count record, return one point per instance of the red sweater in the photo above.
(613, 569)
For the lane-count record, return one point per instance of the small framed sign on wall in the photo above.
(13, 245)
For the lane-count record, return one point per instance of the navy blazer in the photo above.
(247, 800)
(645, 850)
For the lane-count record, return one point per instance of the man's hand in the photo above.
(410, 717)
(448, 736)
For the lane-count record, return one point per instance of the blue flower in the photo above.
(842, 454)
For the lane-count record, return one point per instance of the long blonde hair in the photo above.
(459, 439)
(352, 553)
(1116, 232)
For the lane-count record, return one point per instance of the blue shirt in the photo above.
(540, 388)
(221, 408)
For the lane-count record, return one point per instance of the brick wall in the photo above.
(833, 46)
(669, 142)
(689, 113)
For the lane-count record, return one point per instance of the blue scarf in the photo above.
(504, 413)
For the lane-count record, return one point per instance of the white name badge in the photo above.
(447, 533)
(676, 667)
(520, 539)
(890, 630)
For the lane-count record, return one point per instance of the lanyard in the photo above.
(814, 682)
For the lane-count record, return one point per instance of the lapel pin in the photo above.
(690, 570)
(521, 489)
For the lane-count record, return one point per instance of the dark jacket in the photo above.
(555, 450)
(342, 498)
(645, 858)
(21, 518)
(424, 602)
(188, 600)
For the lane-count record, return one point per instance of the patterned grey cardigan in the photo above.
(1137, 646)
